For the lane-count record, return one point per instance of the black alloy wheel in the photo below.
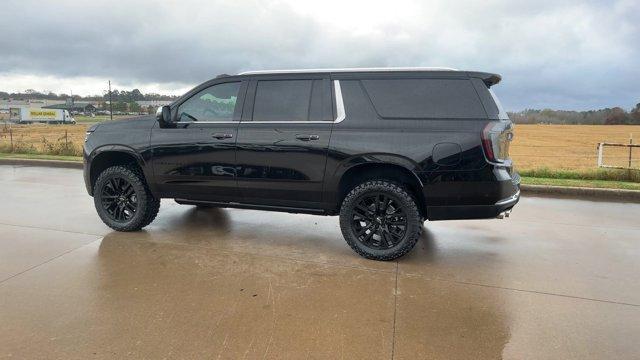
(119, 199)
(378, 221)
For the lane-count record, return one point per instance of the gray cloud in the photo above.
(559, 54)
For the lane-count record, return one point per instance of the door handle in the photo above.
(307, 137)
(221, 136)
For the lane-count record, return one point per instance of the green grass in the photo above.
(606, 184)
(40, 157)
(588, 174)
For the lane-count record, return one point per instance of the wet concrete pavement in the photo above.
(559, 279)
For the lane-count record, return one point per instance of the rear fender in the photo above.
(333, 181)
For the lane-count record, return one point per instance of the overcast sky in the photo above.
(557, 54)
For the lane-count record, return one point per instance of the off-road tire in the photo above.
(154, 208)
(147, 205)
(414, 220)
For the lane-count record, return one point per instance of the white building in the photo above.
(32, 103)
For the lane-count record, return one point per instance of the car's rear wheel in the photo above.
(380, 220)
(123, 200)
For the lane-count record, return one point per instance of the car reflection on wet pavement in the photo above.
(556, 280)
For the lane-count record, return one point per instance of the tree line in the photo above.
(608, 116)
(116, 95)
(124, 100)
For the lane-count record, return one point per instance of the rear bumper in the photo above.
(461, 212)
(509, 188)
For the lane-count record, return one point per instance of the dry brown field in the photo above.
(534, 146)
(40, 138)
(571, 146)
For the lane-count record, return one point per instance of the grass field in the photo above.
(571, 146)
(606, 184)
(43, 139)
(550, 147)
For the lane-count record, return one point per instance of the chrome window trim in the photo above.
(340, 113)
(207, 122)
(287, 122)
(255, 122)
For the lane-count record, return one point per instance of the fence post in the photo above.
(630, 148)
(11, 137)
(66, 143)
(600, 154)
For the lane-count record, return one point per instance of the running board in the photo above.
(294, 210)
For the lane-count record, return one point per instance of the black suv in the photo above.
(385, 149)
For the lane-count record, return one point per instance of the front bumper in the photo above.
(85, 171)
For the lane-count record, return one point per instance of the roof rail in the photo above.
(372, 69)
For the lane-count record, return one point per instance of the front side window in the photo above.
(215, 103)
(282, 100)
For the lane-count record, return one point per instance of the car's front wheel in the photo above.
(380, 220)
(123, 200)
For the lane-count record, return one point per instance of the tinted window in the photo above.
(315, 109)
(282, 100)
(215, 103)
(424, 98)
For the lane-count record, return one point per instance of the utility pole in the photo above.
(110, 103)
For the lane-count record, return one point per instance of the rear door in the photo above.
(196, 158)
(283, 140)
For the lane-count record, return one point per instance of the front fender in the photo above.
(104, 150)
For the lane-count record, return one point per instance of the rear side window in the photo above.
(424, 98)
(283, 100)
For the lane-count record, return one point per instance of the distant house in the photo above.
(75, 106)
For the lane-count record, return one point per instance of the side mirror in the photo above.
(163, 115)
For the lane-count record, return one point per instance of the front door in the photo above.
(283, 140)
(195, 159)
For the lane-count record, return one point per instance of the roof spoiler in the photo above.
(489, 79)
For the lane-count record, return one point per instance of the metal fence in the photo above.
(628, 161)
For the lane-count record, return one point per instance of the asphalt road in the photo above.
(558, 280)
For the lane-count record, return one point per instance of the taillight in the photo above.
(486, 143)
(496, 137)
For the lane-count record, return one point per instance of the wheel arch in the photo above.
(107, 156)
(396, 171)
